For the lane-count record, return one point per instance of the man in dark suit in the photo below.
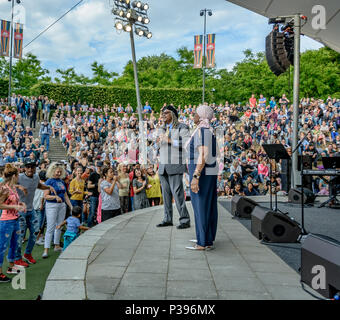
(172, 167)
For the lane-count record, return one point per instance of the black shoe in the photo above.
(183, 226)
(164, 224)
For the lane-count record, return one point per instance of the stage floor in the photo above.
(323, 221)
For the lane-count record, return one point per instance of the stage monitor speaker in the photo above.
(242, 207)
(272, 226)
(320, 264)
(294, 196)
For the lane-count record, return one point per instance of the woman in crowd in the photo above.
(153, 190)
(203, 171)
(140, 184)
(9, 223)
(124, 187)
(110, 195)
(55, 209)
(77, 191)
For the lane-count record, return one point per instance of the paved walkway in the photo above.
(128, 257)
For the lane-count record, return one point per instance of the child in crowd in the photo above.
(73, 226)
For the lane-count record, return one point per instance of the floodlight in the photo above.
(146, 6)
(139, 31)
(119, 25)
(146, 20)
(128, 27)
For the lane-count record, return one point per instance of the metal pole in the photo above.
(297, 33)
(10, 60)
(204, 37)
(139, 105)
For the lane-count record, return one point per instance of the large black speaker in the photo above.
(320, 264)
(273, 226)
(295, 194)
(242, 207)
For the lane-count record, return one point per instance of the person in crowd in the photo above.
(110, 194)
(93, 192)
(124, 187)
(175, 135)
(203, 171)
(73, 226)
(44, 133)
(30, 219)
(39, 207)
(55, 209)
(9, 224)
(153, 189)
(77, 191)
(140, 183)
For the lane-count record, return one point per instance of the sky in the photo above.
(87, 33)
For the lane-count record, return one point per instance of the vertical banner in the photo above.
(211, 51)
(5, 35)
(198, 52)
(18, 40)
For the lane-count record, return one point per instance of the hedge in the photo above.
(3, 88)
(102, 95)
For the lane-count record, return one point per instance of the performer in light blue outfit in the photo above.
(203, 171)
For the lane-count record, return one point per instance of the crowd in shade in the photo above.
(102, 175)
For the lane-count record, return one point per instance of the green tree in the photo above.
(101, 76)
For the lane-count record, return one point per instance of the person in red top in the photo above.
(252, 101)
(9, 223)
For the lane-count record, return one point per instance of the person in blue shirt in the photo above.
(11, 158)
(272, 103)
(262, 101)
(73, 227)
(147, 108)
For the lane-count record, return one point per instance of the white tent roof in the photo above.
(272, 8)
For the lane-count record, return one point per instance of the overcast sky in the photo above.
(87, 33)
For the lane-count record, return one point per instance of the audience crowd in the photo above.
(102, 176)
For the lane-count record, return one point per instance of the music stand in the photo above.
(275, 152)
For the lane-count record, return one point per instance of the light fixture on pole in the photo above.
(204, 13)
(132, 17)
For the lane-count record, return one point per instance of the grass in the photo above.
(36, 276)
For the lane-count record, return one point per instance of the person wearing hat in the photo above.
(29, 219)
(172, 167)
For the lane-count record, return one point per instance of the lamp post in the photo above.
(204, 12)
(132, 17)
(11, 53)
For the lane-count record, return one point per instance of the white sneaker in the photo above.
(45, 255)
(40, 242)
(58, 249)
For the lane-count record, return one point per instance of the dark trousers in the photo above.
(124, 203)
(33, 121)
(155, 200)
(93, 212)
(108, 214)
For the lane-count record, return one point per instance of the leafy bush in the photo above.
(102, 95)
(3, 88)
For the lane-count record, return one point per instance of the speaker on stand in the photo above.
(295, 194)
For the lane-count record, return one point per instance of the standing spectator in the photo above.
(55, 205)
(147, 108)
(77, 191)
(110, 195)
(9, 225)
(153, 190)
(139, 184)
(93, 192)
(33, 114)
(252, 101)
(30, 219)
(44, 133)
(124, 187)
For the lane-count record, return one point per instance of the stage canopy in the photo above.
(330, 36)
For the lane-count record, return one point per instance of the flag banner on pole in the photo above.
(211, 51)
(198, 52)
(18, 40)
(5, 35)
